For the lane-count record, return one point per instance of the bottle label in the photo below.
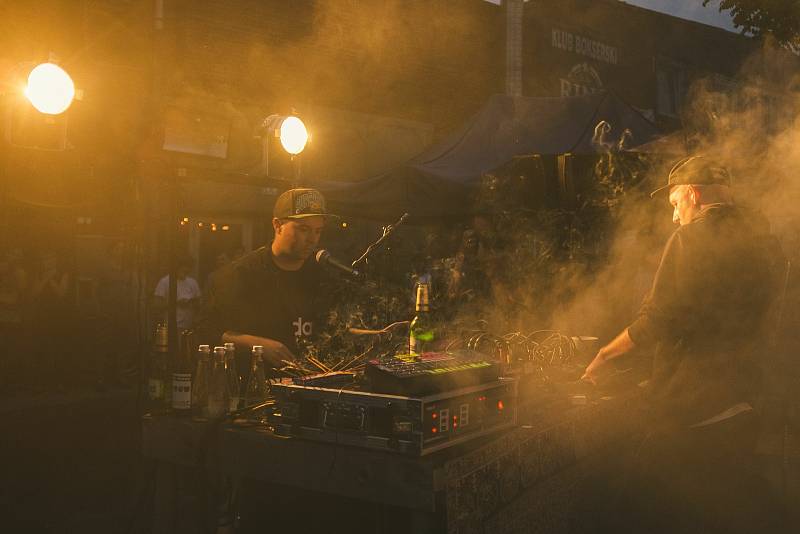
(155, 389)
(181, 391)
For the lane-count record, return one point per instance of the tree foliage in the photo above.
(778, 18)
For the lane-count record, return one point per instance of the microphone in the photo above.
(324, 257)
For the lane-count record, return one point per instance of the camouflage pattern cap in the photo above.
(300, 203)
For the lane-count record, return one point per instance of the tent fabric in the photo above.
(440, 180)
(675, 144)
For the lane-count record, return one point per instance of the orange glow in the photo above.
(434, 430)
(500, 405)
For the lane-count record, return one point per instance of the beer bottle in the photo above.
(157, 375)
(200, 382)
(182, 376)
(218, 396)
(421, 331)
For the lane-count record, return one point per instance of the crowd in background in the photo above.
(62, 330)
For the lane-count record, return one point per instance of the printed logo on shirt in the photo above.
(302, 328)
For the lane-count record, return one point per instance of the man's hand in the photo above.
(620, 345)
(275, 352)
(593, 370)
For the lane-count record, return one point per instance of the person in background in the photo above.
(237, 253)
(118, 309)
(13, 293)
(221, 260)
(52, 306)
(188, 295)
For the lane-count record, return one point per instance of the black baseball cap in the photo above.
(300, 203)
(696, 170)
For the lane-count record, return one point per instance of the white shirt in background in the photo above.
(187, 289)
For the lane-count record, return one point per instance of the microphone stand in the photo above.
(387, 231)
(364, 258)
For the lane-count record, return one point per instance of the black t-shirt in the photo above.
(254, 296)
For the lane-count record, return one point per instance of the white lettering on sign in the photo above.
(564, 40)
(581, 80)
(302, 328)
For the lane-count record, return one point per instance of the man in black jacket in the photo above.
(704, 317)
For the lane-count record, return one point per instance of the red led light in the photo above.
(434, 415)
(500, 405)
(455, 424)
(434, 430)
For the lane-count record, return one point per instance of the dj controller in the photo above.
(408, 404)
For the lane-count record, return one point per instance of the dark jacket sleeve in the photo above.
(665, 311)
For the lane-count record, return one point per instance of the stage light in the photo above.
(294, 135)
(50, 89)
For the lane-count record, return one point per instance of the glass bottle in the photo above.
(233, 376)
(257, 383)
(201, 381)
(218, 394)
(182, 376)
(421, 332)
(158, 371)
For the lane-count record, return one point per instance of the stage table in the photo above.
(531, 478)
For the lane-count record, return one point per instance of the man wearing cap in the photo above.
(704, 316)
(271, 296)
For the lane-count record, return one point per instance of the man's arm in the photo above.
(622, 344)
(661, 313)
(275, 352)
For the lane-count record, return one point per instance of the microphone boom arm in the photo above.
(387, 231)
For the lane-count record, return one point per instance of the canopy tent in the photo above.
(675, 144)
(441, 180)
